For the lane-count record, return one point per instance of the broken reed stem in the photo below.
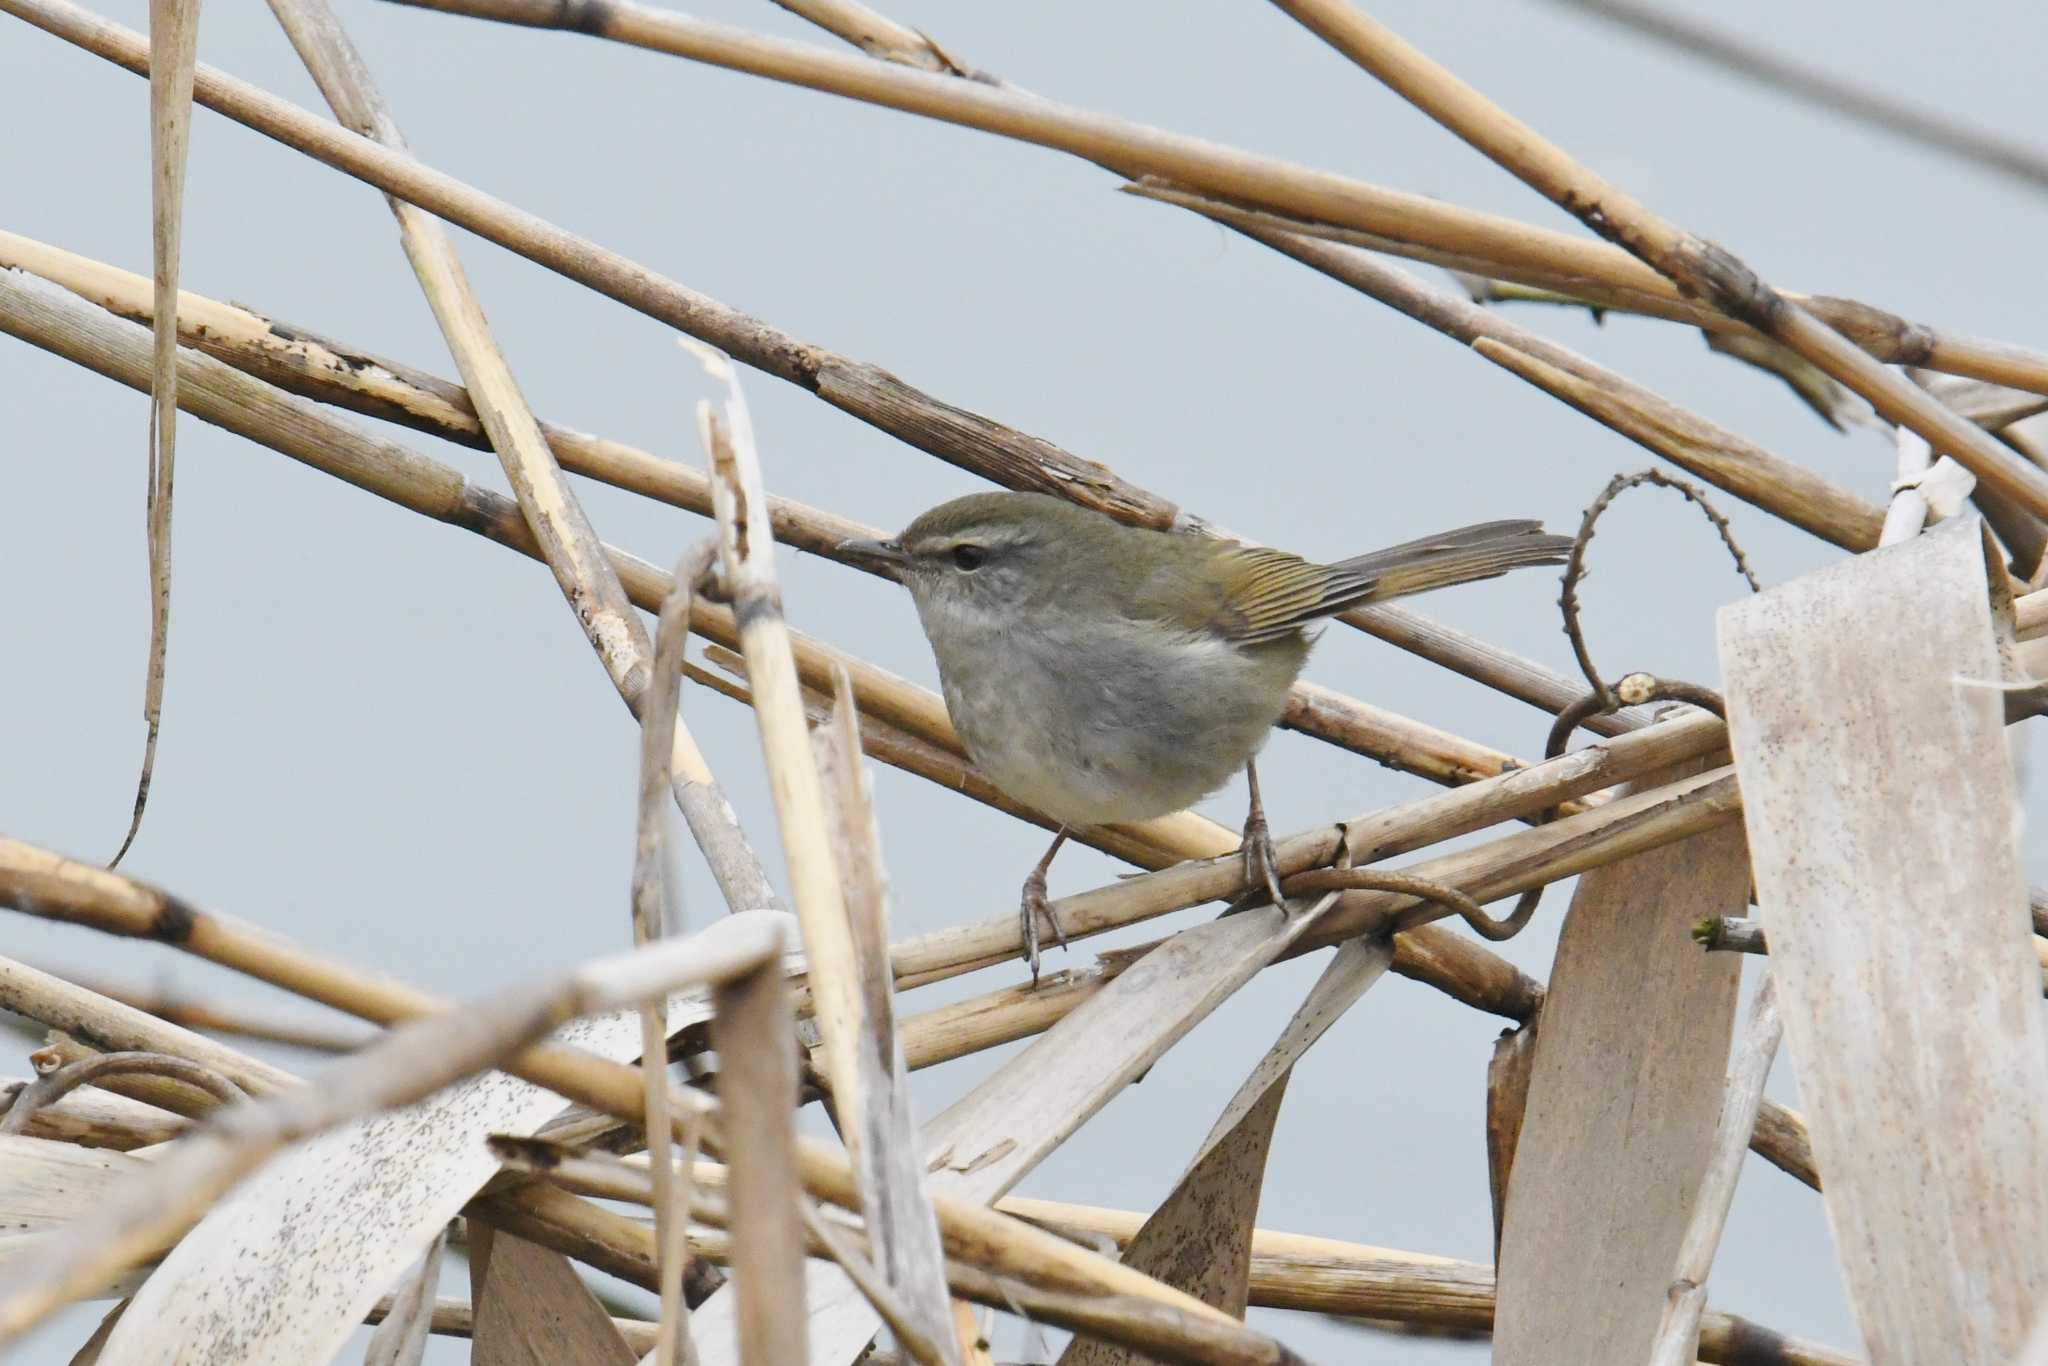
(145, 1214)
(904, 1233)
(922, 1347)
(97, 1119)
(164, 1093)
(654, 917)
(746, 551)
(1748, 1070)
(1695, 266)
(567, 541)
(580, 562)
(1407, 224)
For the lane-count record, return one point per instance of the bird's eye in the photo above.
(969, 557)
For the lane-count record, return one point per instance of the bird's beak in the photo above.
(887, 554)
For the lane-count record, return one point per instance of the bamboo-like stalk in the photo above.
(144, 1216)
(1425, 229)
(1692, 264)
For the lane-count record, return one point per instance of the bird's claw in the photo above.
(1261, 861)
(1034, 904)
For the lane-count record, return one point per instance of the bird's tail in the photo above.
(1484, 551)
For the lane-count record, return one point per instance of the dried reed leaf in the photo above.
(1939, 1241)
(174, 53)
(1200, 1238)
(753, 1032)
(1507, 1102)
(533, 1310)
(401, 1339)
(1623, 1092)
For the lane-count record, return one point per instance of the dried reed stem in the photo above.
(564, 533)
(655, 916)
(1691, 263)
(1009, 457)
(235, 1021)
(143, 1216)
(1750, 472)
(746, 552)
(1389, 220)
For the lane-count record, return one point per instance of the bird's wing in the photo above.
(1262, 594)
(1265, 594)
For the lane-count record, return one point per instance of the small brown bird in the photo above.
(1105, 673)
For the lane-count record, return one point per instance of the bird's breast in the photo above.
(1107, 723)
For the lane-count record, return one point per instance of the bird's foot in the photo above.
(1261, 861)
(1034, 904)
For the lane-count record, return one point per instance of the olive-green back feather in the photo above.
(1264, 594)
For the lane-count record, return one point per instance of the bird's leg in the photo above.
(1035, 905)
(1261, 863)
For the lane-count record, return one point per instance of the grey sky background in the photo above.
(387, 739)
